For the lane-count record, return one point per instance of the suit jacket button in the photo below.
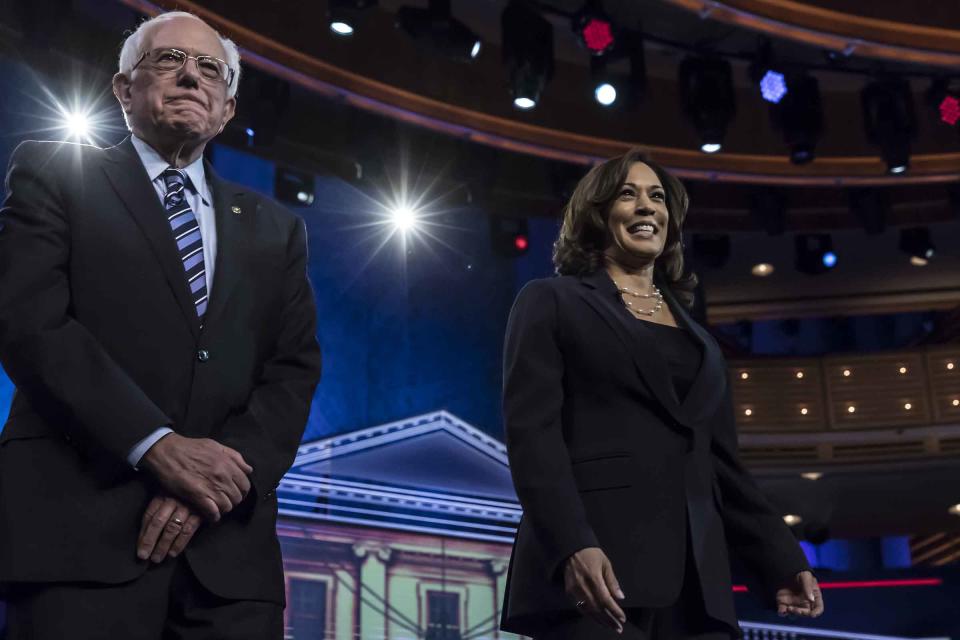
(203, 355)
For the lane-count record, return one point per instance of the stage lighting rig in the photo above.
(706, 93)
(437, 29)
(611, 80)
(527, 52)
(771, 78)
(594, 28)
(890, 120)
(814, 253)
(916, 243)
(799, 116)
(343, 16)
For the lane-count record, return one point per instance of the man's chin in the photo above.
(188, 130)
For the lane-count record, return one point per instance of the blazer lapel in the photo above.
(233, 213)
(126, 173)
(707, 387)
(601, 294)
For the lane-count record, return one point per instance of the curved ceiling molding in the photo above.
(366, 93)
(849, 34)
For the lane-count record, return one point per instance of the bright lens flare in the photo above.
(77, 124)
(404, 218)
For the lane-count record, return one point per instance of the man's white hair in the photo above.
(133, 45)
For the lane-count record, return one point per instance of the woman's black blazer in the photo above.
(604, 455)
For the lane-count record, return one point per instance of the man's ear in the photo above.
(121, 89)
(229, 110)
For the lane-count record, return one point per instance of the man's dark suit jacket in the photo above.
(604, 455)
(100, 337)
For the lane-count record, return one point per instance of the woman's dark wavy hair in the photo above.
(583, 235)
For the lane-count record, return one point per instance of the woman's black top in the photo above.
(682, 353)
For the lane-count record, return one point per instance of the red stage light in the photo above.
(950, 110)
(521, 243)
(597, 34)
(867, 584)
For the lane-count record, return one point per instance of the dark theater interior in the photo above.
(430, 147)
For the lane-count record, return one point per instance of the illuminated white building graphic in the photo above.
(398, 531)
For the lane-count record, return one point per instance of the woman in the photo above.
(621, 437)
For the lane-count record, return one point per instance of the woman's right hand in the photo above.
(589, 581)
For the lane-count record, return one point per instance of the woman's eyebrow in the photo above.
(653, 186)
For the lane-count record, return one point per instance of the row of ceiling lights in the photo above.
(705, 81)
(851, 408)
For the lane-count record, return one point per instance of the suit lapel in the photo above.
(233, 213)
(707, 388)
(601, 294)
(126, 173)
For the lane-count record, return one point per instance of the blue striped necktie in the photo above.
(186, 232)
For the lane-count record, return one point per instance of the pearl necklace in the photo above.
(655, 294)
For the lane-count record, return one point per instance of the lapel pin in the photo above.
(235, 209)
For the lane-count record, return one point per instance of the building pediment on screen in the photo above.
(432, 473)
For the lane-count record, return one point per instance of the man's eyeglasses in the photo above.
(211, 68)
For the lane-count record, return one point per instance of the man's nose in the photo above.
(190, 71)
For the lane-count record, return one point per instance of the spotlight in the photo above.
(612, 82)
(706, 92)
(764, 72)
(950, 110)
(436, 29)
(527, 52)
(344, 15)
(524, 103)
(762, 269)
(293, 187)
(814, 253)
(594, 28)
(404, 218)
(341, 28)
(890, 121)
(773, 86)
(77, 124)
(944, 100)
(604, 82)
(711, 249)
(916, 243)
(799, 116)
(871, 207)
(605, 94)
(508, 236)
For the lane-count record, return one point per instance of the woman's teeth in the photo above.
(643, 229)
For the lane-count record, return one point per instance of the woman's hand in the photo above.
(801, 597)
(589, 582)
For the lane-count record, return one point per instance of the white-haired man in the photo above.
(159, 327)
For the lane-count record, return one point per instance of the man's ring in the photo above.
(178, 522)
(580, 603)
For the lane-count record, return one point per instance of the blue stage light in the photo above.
(773, 86)
(829, 259)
